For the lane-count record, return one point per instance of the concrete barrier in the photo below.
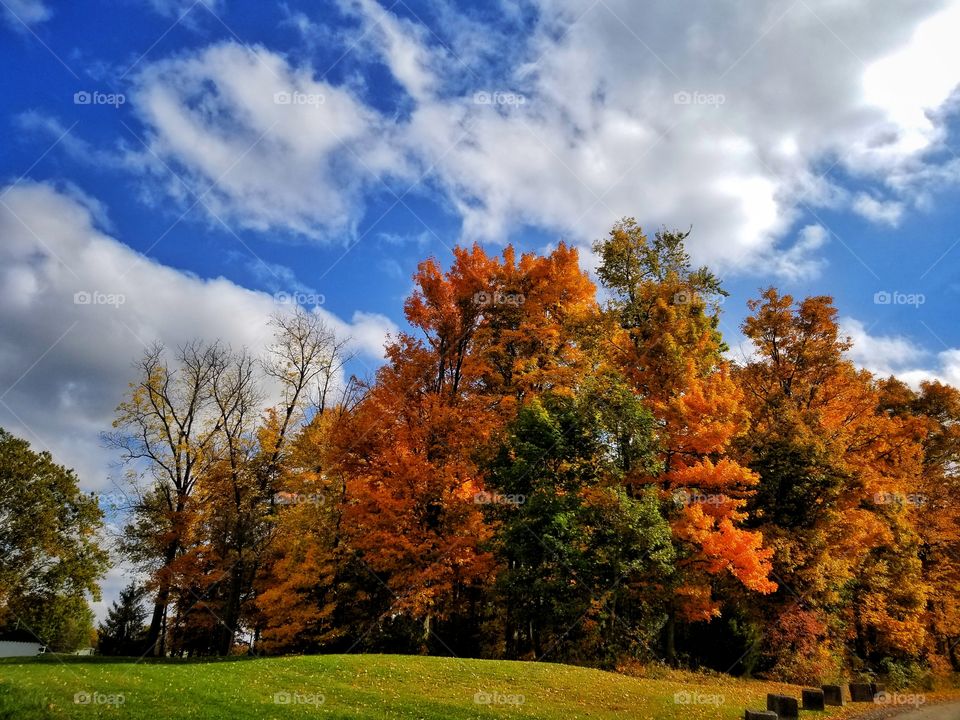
(835, 695)
(813, 699)
(783, 705)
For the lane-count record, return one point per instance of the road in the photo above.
(941, 711)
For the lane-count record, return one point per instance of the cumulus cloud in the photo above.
(261, 142)
(800, 261)
(402, 43)
(77, 307)
(703, 117)
(887, 355)
(722, 120)
(882, 354)
(878, 211)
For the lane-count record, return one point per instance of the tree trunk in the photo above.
(155, 644)
(228, 625)
(670, 639)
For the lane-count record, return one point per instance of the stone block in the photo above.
(835, 695)
(759, 715)
(784, 706)
(813, 699)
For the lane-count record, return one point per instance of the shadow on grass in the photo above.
(18, 704)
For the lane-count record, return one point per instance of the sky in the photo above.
(175, 169)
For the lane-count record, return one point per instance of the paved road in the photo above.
(944, 711)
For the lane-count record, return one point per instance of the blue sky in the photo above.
(197, 161)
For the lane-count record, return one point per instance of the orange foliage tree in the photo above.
(668, 346)
(828, 459)
(490, 332)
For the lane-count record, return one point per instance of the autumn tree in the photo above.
(667, 345)
(304, 571)
(933, 500)
(199, 430)
(488, 333)
(827, 460)
(166, 428)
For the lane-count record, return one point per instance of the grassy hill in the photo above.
(363, 686)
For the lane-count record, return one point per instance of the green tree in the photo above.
(50, 560)
(580, 558)
(124, 631)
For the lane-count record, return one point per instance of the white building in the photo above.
(12, 648)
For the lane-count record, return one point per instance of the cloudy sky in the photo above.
(174, 169)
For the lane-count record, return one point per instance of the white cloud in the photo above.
(915, 80)
(23, 14)
(887, 355)
(263, 143)
(800, 261)
(64, 366)
(723, 120)
(400, 41)
(878, 211)
(882, 354)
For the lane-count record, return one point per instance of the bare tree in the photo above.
(167, 427)
(306, 358)
(199, 420)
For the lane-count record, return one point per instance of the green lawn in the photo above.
(362, 686)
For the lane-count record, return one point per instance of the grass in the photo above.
(363, 686)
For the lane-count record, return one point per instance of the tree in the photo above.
(124, 632)
(198, 429)
(166, 428)
(825, 453)
(300, 566)
(933, 500)
(670, 351)
(488, 333)
(579, 559)
(50, 558)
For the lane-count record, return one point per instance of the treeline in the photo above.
(537, 474)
